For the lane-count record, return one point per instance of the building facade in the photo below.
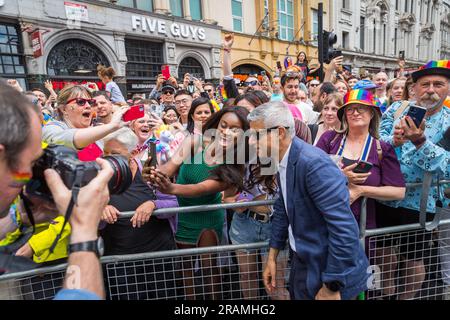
(66, 40)
(268, 31)
(445, 31)
(373, 33)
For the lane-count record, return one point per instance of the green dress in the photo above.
(190, 225)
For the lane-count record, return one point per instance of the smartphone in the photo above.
(279, 65)
(245, 196)
(135, 112)
(263, 73)
(417, 113)
(165, 70)
(363, 167)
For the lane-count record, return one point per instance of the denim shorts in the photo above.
(245, 229)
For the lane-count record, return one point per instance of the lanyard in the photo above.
(365, 150)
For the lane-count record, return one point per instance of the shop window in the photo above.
(144, 58)
(75, 57)
(191, 66)
(12, 64)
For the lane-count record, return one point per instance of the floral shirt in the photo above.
(414, 163)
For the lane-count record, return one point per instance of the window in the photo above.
(315, 26)
(384, 39)
(144, 58)
(191, 66)
(345, 4)
(72, 57)
(396, 4)
(176, 7)
(412, 6)
(395, 40)
(12, 64)
(266, 23)
(146, 5)
(236, 11)
(345, 40)
(286, 19)
(195, 7)
(406, 5)
(362, 33)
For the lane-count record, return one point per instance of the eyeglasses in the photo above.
(361, 109)
(81, 102)
(260, 133)
(168, 92)
(313, 84)
(179, 102)
(209, 90)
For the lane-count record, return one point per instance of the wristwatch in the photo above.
(95, 246)
(334, 286)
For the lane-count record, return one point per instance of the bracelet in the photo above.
(227, 50)
(419, 141)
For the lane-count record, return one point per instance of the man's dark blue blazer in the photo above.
(325, 231)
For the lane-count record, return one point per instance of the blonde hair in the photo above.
(105, 72)
(373, 126)
(69, 92)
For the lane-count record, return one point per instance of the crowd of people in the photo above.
(333, 143)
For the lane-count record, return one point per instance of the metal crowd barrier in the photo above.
(235, 272)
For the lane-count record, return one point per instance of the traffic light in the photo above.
(328, 52)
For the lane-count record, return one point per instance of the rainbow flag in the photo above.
(215, 104)
(447, 102)
(223, 92)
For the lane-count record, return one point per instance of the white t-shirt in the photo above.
(309, 115)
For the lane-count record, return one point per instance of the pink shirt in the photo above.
(296, 113)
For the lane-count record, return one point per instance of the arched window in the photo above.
(74, 57)
(191, 66)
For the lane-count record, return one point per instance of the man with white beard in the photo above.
(418, 150)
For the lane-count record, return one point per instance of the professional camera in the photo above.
(65, 161)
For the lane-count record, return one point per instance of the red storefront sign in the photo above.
(37, 44)
(59, 84)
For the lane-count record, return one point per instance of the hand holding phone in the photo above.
(135, 112)
(363, 167)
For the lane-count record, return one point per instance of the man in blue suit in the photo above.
(313, 211)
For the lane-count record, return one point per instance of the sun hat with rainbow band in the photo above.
(358, 96)
(433, 68)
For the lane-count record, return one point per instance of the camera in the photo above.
(65, 161)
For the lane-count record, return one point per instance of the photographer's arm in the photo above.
(84, 269)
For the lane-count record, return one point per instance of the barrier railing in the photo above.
(234, 272)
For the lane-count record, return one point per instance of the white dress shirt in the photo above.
(282, 172)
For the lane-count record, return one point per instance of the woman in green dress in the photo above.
(205, 169)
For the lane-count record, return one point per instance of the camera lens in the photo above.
(122, 177)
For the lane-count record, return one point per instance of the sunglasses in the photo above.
(292, 74)
(251, 83)
(314, 85)
(81, 102)
(168, 92)
(209, 90)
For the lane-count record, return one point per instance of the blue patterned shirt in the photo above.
(430, 157)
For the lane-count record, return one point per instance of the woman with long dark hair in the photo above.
(201, 110)
(204, 170)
